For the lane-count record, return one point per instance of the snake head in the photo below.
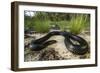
(38, 46)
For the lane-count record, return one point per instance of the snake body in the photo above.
(80, 48)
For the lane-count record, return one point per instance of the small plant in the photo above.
(41, 26)
(78, 24)
(41, 22)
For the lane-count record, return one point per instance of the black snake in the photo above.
(80, 47)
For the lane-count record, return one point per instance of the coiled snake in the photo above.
(80, 47)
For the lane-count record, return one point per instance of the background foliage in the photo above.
(42, 22)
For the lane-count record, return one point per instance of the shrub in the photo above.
(78, 23)
(41, 26)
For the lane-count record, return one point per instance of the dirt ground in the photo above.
(57, 51)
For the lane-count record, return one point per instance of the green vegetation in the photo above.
(41, 26)
(78, 23)
(42, 22)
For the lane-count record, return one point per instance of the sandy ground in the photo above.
(57, 51)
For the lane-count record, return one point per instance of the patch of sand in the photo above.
(57, 51)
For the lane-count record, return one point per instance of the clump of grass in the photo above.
(78, 23)
(41, 26)
(41, 22)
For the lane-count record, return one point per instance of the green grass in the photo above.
(77, 25)
(42, 22)
(41, 26)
